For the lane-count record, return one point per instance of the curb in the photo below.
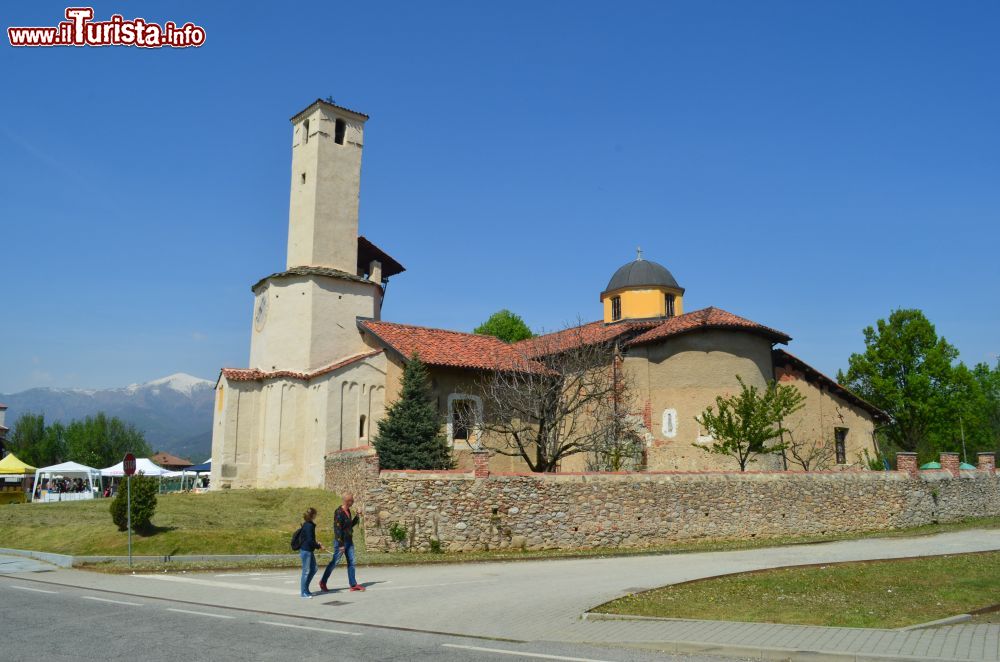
(61, 560)
(950, 620)
(774, 654)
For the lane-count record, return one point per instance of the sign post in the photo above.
(128, 468)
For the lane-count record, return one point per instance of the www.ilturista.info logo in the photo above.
(81, 30)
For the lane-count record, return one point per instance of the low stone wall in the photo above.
(572, 511)
(352, 471)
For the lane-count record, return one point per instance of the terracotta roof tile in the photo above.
(253, 374)
(585, 334)
(706, 318)
(783, 358)
(166, 459)
(441, 347)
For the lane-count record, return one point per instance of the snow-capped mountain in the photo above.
(175, 411)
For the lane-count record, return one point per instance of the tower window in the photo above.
(840, 440)
(670, 305)
(616, 308)
(303, 178)
(305, 132)
(361, 428)
(339, 130)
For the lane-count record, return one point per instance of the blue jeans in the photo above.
(347, 551)
(308, 570)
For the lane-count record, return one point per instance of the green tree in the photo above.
(35, 443)
(506, 326)
(907, 371)
(744, 424)
(409, 435)
(144, 490)
(100, 440)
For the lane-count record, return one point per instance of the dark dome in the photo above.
(642, 273)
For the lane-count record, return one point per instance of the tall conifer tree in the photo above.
(410, 436)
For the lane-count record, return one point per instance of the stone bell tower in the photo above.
(305, 317)
(326, 182)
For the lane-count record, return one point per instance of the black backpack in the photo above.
(297, 540)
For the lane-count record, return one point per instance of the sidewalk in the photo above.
(544, 600)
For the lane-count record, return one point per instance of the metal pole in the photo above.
(961, 426)
(128, 487)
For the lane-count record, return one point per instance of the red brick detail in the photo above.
(481, 462)
(949, 462)
(987, 462)
(907, 463)
(647, 415)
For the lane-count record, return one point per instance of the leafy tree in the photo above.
(410, 436)
(506, 326)
(744, 424)
(100, 441)
(906, 370)
(35, 443)
(144, 490)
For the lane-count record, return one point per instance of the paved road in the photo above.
(541, 601)
(52, 623)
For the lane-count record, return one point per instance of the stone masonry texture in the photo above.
(578, 511)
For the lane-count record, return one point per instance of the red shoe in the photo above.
(322, 587)
(358, 587)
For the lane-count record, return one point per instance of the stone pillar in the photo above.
(907, 463)
(987, 462)
(949, 462)
(481, 461)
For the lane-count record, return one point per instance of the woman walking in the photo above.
(307, 539)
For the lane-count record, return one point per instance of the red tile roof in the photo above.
(253, 374)
(441, 347)
(784, 359)
(165, 459)
(585, 334)
(706, 318)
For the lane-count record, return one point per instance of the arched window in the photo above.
(361, 427)
(669, 427)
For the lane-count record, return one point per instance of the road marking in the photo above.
(198, 613)
(471, 581)
(36, 590)
(116, 602)
(501, 651)
(208, 582)
(306, 627)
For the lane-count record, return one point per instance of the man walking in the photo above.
(343, 543)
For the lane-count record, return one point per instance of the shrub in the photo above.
(144, 490)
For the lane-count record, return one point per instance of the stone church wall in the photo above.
(577, 511)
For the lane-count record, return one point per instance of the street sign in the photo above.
(128, 468)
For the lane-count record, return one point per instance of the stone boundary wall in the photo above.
(477, 510)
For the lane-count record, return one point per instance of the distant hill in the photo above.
(174, 412)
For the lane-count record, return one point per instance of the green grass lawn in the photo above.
(223, 522)
(874, 594)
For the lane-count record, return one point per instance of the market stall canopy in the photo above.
(204, 467)
(143, 465)
(10, 465)
(68, 468)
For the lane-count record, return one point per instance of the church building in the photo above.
(323, 365)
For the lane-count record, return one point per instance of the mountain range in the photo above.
(174, 412)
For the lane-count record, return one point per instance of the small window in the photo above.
(361, 427)
(840, 439)
(670, 305)
(339, 130)
(616, 308)
(462, 414)
(303, 178)
(669, 423)
(305, 132)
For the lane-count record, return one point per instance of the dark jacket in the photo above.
(343, 527)
(308, 537)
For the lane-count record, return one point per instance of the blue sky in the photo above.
(810, 165)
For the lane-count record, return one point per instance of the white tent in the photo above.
(143, 465)
(65, 470)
